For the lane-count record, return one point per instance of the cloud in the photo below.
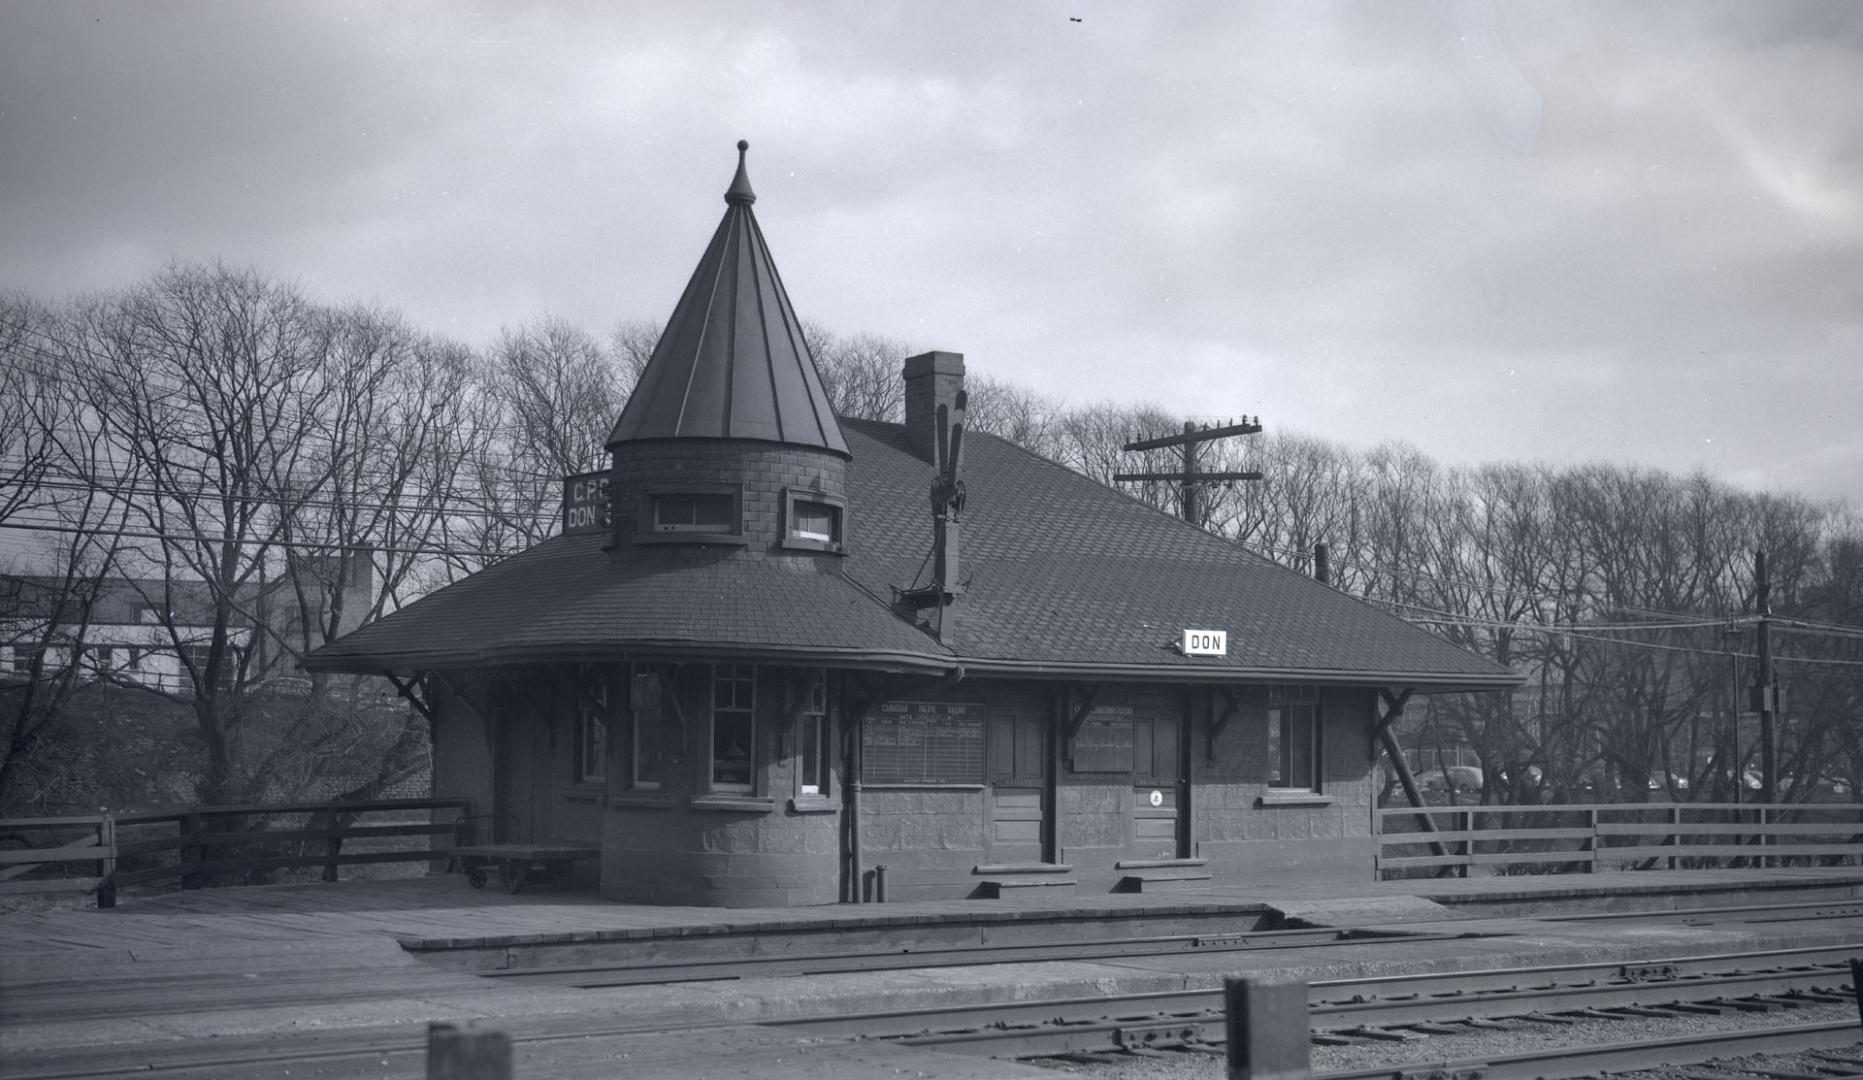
(1496, 230)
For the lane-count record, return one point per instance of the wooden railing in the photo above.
(40, 855)
(1625, 836)
(202, 846)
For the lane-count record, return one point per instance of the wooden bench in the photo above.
(519, 865)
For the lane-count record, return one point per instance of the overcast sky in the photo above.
(1538, 231)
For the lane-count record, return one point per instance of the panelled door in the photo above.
(1159, 795)
(1018, 775)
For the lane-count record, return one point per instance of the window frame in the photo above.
(1162, 729)
(593, 722)
(793, 499)
(736, 674)
(648, 529)
(815, 738)
(198, 653)
(1287, 707)
(646, 727)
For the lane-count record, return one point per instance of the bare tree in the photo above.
(26, 431)
(52, 441)
(631, 344)
(547, 398)
(211, 386)
(860, 372)
(1016, 413)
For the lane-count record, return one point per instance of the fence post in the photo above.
(1468, 845)
(453, 1054)
(106, 866)
(333, 847)
(1675, 833)
(1765, 818)
(192, 826)
(1597, 848)
(1266, 1024)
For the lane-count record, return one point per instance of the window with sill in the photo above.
(645, 731)
(812, 521)
(592, 725)
(704, 512)
(813, 738)
(1294, 738)
(734, 728)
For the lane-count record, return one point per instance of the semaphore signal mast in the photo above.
(1190, 477)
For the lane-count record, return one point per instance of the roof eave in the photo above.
(1425, 682)
(573, 652)
(1428, 682)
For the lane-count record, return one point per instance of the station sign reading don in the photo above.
(585, 503)
(1206, 643)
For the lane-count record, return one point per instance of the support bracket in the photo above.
(409, 690)
(1393, 708)
(1232, 708)
(1089, 693)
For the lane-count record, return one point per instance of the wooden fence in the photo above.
(201, 846)
(1623, 836)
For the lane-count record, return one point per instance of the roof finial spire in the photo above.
(740, 193)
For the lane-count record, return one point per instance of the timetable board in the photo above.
(1104, 742)
(923, 742)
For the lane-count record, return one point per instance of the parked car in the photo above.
(1464, 778)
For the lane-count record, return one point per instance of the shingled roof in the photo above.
(568, 598)
(732, 363)
(1068, 578)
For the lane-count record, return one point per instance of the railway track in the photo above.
(1748, 914)
(1649, 1054)
(1363, 1009)
(1395, 1008)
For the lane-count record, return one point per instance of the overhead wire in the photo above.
(1445, 618)
(291, 545)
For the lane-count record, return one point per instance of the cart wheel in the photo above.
(513, 873)
(475, 877)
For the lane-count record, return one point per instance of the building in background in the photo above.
(145, 632)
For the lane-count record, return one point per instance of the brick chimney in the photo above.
(932, 379)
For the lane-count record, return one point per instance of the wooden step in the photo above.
(1023, 879)
(1154, 875)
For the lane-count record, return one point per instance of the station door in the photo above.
(1160, 795)
(1019, 799)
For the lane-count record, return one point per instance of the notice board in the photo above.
(922, 742)
(1104, 742)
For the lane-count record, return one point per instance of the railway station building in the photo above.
(780, 657)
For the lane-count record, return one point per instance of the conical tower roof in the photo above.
(731, 363)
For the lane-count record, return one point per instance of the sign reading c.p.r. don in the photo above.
(1206, 643)
(585, 503)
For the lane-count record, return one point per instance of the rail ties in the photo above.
(1410, 1008)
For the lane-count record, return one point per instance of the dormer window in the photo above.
(694, 513)
(703, 513)
(813, 521)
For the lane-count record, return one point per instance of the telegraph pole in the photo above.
(1191, 476)
(1765, 685)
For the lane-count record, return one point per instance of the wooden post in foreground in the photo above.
(1267, 1029)
(1856, 981)
(453, 1054)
